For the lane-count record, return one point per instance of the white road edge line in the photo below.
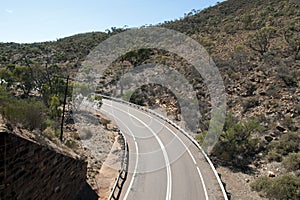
(191, 155)
(137, 154)
(169, 175)
(202, 180)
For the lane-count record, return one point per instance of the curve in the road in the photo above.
(168, 196)
(167, 162)
(108, 106)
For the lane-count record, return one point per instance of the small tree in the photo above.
(23, 78)
(236, 143)
(260, 41)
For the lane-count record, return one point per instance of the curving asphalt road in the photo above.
(163, 163)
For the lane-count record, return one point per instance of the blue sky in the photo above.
(47, 20)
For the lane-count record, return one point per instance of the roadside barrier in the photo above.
(123, 172)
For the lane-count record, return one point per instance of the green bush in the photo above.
(71, 144)
(28, 113)
(98, 97)
(281, 187)
(273, 155)
(236, 143)
(289, 123)
(260, 184)
(5, 97)
(260, 41)
(292, 162)
(200, 137)
(288, 143)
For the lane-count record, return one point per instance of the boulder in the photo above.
(268, 138)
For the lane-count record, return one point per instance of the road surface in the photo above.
(163, 163)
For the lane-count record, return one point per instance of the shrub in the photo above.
(71, 144)
(98, 97)
(28, 113)
(281, 187)
(5, 97)
(289, 123)
(260, 184)
(260, 41)
(292, 162)
(236, 143)
(200, 137)
(288, 143)
(273, 155)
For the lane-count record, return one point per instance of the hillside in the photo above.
(256, 46)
